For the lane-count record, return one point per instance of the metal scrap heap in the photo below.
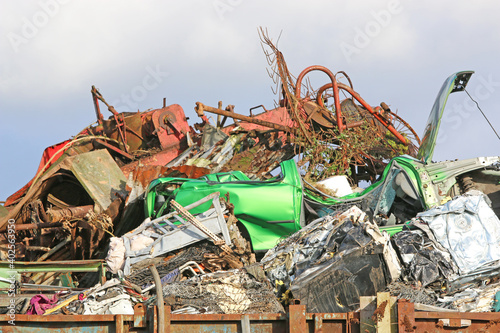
(142, 210)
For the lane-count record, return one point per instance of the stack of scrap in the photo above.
(90, 188)
(246, 217)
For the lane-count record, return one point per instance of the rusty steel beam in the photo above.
(57, 215)
(410, 320)
(67, 323)
(55, 249)
(115, 149)
(200, 108)
(30, 226)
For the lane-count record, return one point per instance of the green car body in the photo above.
(268, 209)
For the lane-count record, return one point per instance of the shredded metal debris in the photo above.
(253, 216)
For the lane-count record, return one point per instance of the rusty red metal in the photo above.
(336, 97)
(170, 125)
(279, 115)
(144, 174)
(135, 131)
(191, 171)
(119, 119)
(113, 148)
(336, 86)
(410, 320)
(31, 226)
(200, 108)
(267, 322)
(295, 320)
(56, 215)
(140, 315)
(161, 158)
(375, 112)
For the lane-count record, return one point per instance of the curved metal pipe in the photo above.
(325, 70)
(159, 298)
(356, 96)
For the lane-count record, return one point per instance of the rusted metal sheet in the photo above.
(67, 323)
(159, 159)
(144, 174)
(191, 171)
(140, 316)
(410, 320)
(295, 320)
(100, 176)
(297, 317)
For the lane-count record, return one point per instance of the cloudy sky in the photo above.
(138, 52)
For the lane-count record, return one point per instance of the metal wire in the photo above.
(483, 114)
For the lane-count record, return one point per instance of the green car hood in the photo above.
(454, 83)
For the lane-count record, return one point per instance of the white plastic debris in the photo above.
(116, 255)
(92, 306)
(139, 242)
(123, 306)
(339, 185)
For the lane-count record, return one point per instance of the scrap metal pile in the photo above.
(146, 207)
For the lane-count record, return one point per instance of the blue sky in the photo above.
(137, 53)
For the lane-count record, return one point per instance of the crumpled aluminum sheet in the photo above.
(333, 256)
(423, 260)
(468, 228)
